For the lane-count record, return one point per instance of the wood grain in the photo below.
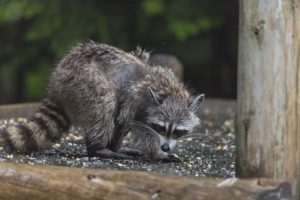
(20, 181)
(268, 113)
(17, 110)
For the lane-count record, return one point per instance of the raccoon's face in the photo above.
(172, 118)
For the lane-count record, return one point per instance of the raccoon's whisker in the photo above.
(191, 136)
(145, 126)
(148, 128)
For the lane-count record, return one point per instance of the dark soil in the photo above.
(210, 151)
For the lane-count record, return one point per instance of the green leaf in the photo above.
(36, 82)
(14, 10)
(153, 7)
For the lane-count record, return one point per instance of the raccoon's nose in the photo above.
(165, 147)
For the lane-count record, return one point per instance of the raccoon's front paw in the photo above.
(168, 157)
(174, 158)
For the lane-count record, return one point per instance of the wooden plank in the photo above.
(215, 106)
(20, 181)
(17, 110)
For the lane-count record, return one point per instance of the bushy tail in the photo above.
(46, 126)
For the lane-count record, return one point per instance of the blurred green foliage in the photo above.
(34, 35)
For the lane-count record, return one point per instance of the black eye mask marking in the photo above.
(158, 128)
(179, 133)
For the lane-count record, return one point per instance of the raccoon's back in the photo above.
(97, 55)
(93, 67)
(90, 77)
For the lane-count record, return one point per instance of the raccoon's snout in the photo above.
(165, 147)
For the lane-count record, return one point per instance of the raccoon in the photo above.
(107, 93)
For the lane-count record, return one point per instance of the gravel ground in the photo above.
(210, 151)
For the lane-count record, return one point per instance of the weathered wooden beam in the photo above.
(17, 110)
(268, 115)
(22, 182)
(215, 106)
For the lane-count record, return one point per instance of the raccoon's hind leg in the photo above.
(46, 126)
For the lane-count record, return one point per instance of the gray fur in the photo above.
(142, 54)
(103, 89)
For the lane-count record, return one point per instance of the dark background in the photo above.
(34, 35)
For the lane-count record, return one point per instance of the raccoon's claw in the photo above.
(174, 158)
(171, 158)
(131, 152)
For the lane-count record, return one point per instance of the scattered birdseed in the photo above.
(208, 152)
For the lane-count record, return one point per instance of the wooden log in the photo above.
(268, 113)
(17, 110)
(215, 106)
(20, 181)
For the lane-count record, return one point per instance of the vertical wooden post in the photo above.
(268, 116)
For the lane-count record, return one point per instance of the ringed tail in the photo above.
(45, 126)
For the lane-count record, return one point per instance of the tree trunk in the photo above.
(268, 115)
(22, 182)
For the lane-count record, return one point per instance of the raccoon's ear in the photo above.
(156, 98)
(197, 102)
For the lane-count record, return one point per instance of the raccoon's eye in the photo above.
(158, 128)
(180, 133)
